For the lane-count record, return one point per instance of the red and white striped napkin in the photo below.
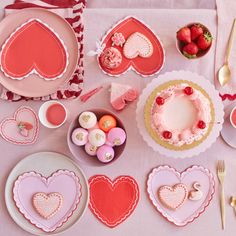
(72, 11)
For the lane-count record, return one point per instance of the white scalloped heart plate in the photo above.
(190, 210)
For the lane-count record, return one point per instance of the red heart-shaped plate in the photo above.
(143, 66)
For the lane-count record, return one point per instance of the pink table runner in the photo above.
(138, 159)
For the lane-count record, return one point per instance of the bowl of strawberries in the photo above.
(193, 40)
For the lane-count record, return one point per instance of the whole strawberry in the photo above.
(184, 35)
(204, 41)
(24, 128)
(190, 50)
(196, 31)
(25, 125)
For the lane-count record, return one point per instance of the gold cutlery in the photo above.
(221, 172)
(224, 74)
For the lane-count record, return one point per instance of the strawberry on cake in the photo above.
(180, 114)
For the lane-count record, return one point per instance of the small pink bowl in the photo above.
(79, 152)
(180, 45)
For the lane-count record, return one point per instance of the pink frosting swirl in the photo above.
(111, 58)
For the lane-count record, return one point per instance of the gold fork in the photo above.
(221, 172)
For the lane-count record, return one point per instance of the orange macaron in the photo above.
(107, 122)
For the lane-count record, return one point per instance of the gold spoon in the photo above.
(224, 74)
(233, 203)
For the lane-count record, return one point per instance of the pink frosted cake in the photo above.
(179, 115)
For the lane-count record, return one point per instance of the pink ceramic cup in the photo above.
(232, 117)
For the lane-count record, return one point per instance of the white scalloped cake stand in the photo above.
(45, 163)
(202, 82)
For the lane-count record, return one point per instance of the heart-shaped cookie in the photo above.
(22, 128)
(189, 210)
(137, 45)
(173, 197)
(47, 205)
(34, 48)
(41, 203)
(147, 45)
(113, 201)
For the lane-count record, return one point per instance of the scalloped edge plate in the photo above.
(45, 163)
(179, 176)
(200, 81)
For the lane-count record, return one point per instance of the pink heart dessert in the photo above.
(189, 210)
(47, 205)
(173, 197)
(22, 128)
(121, 94)
(44, 201)
(137, 45)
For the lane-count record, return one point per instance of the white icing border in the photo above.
(34, 71)
(131, 67)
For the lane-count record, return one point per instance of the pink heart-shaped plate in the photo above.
(63, 182)
(190, 210)
(10, 127)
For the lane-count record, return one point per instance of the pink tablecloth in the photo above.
(138, 159)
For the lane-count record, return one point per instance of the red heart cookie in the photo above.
(34, 48)
(113, 201)
(145, 66)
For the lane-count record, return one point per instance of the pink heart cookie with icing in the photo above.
(47, 203)
(186, 211)
(137, 45)
(22, 128)
(173, 197)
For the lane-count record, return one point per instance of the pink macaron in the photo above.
(79, 136)
(105, 153)
(90, 149)
(116, 136)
